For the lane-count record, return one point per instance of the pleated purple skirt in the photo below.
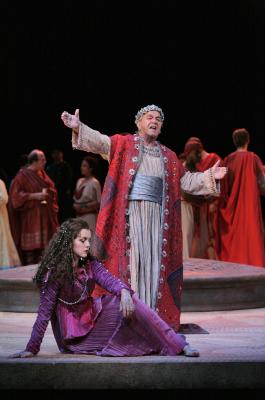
(146, 333)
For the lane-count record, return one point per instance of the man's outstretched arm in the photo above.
(85, 138)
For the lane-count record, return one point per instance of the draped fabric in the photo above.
(36, 222)
(113, 241)
(86, 191)
(197, 218)
(187, 223)
(123, 229)
(8, 253)
(239, 220)
(96, 326)
(204, 235)
(207, 162)
(145, 232)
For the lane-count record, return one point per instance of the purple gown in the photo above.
(95, 325)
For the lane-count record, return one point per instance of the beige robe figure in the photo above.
(86, 191)
(187, 224)
(8, 252)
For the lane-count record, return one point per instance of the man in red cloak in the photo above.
(33, 208)
(239, 220)
(138, 232)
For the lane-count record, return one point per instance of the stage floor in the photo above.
(223, 315)
(232, 357)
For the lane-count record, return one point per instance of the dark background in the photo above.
(202, 62)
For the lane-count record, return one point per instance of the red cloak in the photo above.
(35, 222)
(112, 241)
(239, 221)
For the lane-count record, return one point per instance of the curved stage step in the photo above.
(209, 285)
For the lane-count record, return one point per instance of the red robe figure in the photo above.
(239, 220)
(33, 208)
(198, 211)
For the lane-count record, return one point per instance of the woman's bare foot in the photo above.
(190, 352)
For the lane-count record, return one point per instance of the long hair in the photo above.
(59, 255)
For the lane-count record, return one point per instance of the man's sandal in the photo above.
(190, 352)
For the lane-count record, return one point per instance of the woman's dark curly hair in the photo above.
(59, 252)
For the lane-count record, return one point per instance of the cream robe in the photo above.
(91, 192)
(8, 252)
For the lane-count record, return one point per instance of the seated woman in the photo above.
(117, 324)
